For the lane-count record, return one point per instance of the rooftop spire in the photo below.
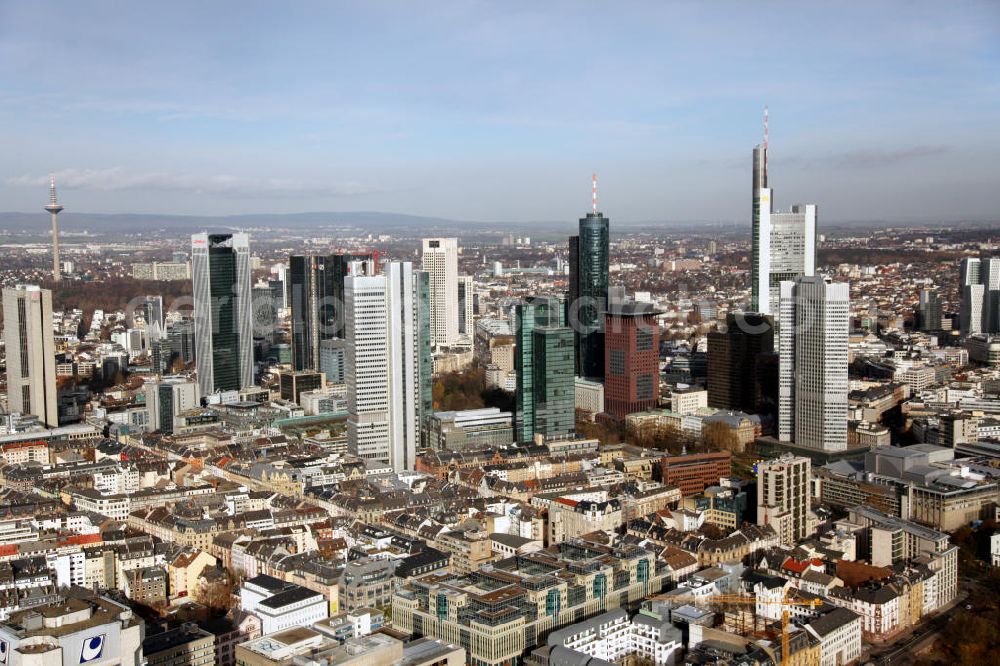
(593, 202)
(765, 127)
(52, 189)
(765, 138)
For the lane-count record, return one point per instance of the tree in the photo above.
(216, 592)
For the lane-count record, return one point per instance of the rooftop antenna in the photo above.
(765, 138)
(594, 195)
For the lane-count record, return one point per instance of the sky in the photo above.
(501, 111)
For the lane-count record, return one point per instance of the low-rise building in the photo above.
(187, 645)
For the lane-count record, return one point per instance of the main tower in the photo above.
(54, 208)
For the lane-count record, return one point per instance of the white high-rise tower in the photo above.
(440, 261)
(979, 288)
(813, 379)
(784, 244)
(54, 208)
(31, 353)
(387, 376)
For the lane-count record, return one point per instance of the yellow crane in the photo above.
(743, 600)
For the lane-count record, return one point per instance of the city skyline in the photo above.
(404, 127)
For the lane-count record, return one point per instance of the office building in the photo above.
(466, 308)
(979, 288)
(156, 333)
(153, 308)
(293, 383)
(266, 312)
(783, 496)
(612, 637)
(333, 359)
(588, 290)
(186, 645)
(280, 605)
(694, 472)
(82, 629)
(162, 271)
(440, 261)
(631, 358)
(784, 244)
(929, 311)
(180, 342)
(471, 429)
(546, 395)
(316, 292)
(813, 380)
(733, 352)
(538, 591)
(223, 326)
(31, 353)
(388, 365)
(169, 397)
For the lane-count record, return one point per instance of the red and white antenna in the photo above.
(594, 195)
(765, 127)
(765, 138)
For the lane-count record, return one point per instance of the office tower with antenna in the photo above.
(588, 289)
(783, 244)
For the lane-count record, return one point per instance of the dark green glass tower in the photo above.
(544, 363)
(588, 293)
(425, 356)
(316, 290)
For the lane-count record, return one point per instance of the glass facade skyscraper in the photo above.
(316, 290)
(783, 244)
(588, 293)
(545, 372)
(223, 330)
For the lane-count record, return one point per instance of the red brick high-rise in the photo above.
(631, 358)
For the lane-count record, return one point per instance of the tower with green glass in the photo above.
(545, 369)
(588, 292)
(425, 358)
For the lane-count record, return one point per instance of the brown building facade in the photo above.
(694, 472)
(631, 359)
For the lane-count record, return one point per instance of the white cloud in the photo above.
(119, 178)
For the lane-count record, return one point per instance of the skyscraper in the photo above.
(316, 293)
(440, 261)
(546, 401)
(154, 313)
(169, 397)
(783, 496)
(733, 351)
(466, 303)
(979, 286)
(632, 358)
(813, 380)
(223, 328)
(54, 208)
(588, 290)
(31, 353)
(388, 370)
(929, 311)
(155, 333)
(783, 244)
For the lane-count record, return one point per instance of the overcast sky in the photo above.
(501, 110)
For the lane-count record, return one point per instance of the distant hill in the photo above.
(130, 222)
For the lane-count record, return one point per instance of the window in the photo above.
(643, 339)
(644, 387)
(617, 362)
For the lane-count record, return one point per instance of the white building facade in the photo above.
(813, 378)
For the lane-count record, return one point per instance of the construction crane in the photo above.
(742, 600)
